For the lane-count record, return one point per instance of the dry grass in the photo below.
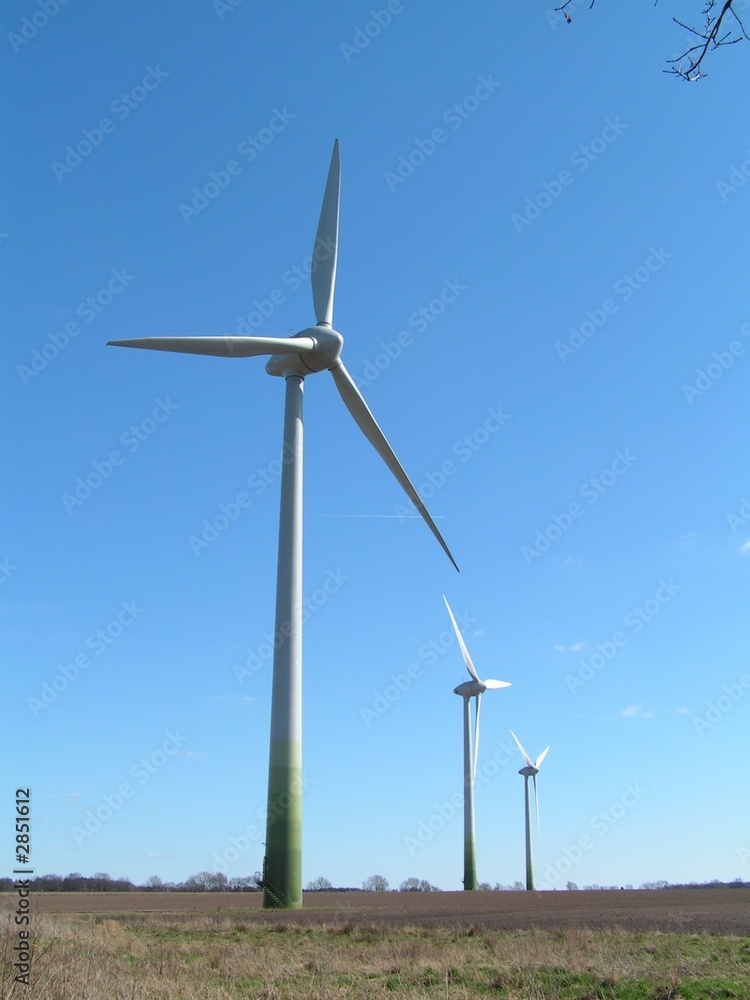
(163, 956)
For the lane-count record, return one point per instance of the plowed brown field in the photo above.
(697, 911)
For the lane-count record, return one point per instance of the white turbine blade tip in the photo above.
(493, 685)
(541, 757)
(523, 752)
(355, 403)
(325, 250)
(461, 644)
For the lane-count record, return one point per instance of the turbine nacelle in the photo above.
(470, 688)
(529, 771)
(325, 354)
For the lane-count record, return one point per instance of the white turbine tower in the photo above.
(474, 688)
(530, 771)
(312, 350)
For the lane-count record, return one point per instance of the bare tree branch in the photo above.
(721, 27)
(711, 38)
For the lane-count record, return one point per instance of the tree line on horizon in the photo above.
(205, 881)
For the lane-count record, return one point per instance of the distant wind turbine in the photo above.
(312, 350)
(530, 771)
(474, 688)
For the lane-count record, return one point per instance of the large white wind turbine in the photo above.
(312, 350)
(474, 688)
(530, 771)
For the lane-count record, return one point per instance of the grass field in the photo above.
(190, 946)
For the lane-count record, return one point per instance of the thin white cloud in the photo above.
(745, 549)
(577, 647)
(634, 712)
(683, 711)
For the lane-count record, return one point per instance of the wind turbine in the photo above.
(474, 688)
(314, 349)
(530, 771)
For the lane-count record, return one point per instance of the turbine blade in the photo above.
(536, 798)
(461, 644)
(222, 347)
(523, 752)
(476, 738)
(368, 425)
(541, 757)
(325, 251)
(494, 685)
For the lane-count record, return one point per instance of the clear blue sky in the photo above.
(527, 306)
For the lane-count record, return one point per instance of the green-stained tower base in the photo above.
(282, 873)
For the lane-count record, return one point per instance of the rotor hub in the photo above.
(328, 344)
